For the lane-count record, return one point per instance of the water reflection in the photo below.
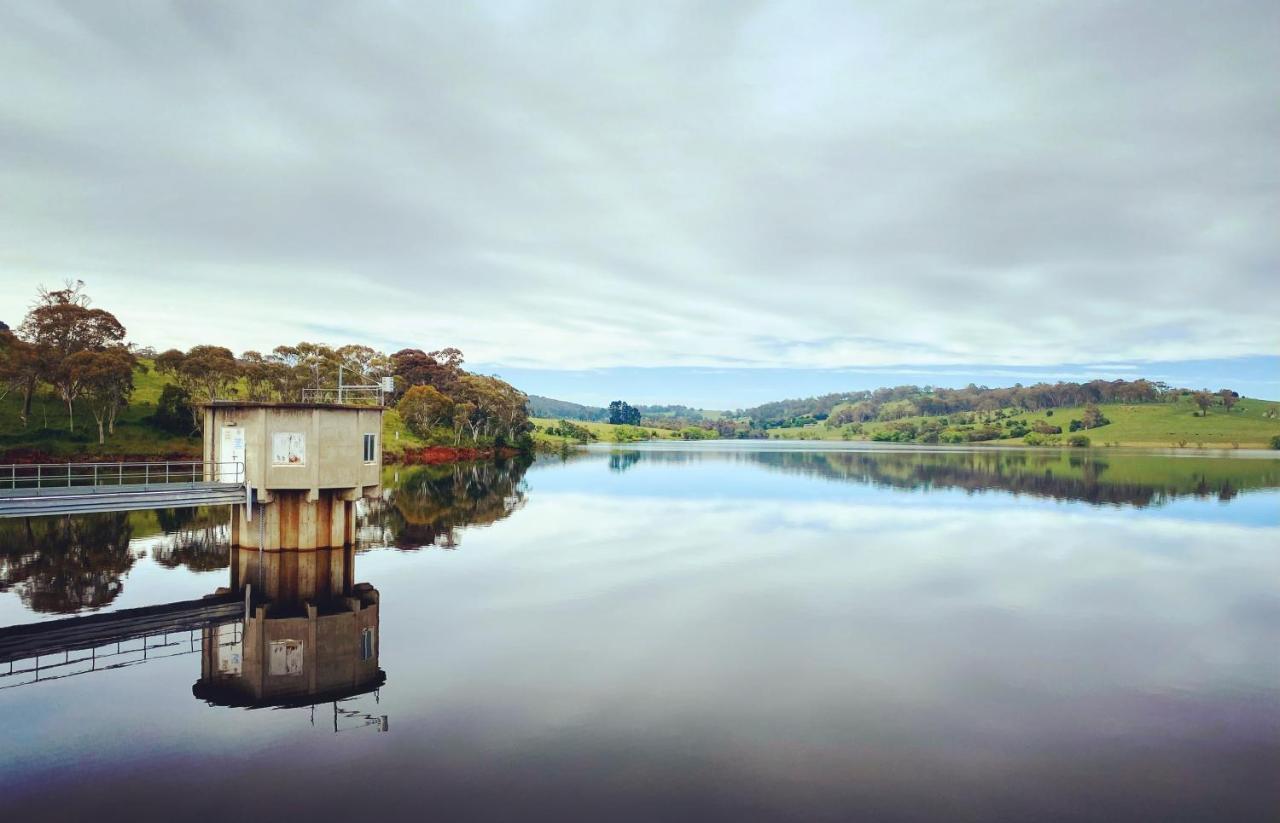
(196, 539)
(1130, 479)
(427, 505)
(712, 635)
(62, 565)
(313, 639)
(65, 565)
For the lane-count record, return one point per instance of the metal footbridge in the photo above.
(35, 489)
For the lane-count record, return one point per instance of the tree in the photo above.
(19, 369)
(59, 325)
(308, 366)
(513, 412)
(462, 413)
(106, 379)
(423, 408)
(173, 411)
(265, 378)
(621, 413)
(1229, 398)
(205, 372)
(1204, 399)
(440, 369)
(1093, 417)
(485, 395)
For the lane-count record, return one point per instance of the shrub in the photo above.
(953, 436)
(1049, 413)
(1078, 441)
(1038, 439)
(1075, 426)
(1275, 442)
(173, 411)
(984, 433)
(1041, 427)
(1093, 417)
(571, 431)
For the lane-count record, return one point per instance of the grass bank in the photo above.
(548, 433)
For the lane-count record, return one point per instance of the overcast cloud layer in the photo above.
(584, 185)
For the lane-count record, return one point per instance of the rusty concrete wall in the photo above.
(293, 521)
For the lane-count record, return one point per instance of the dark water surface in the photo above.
(702, 632)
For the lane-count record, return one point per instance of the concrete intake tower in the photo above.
(305, 464)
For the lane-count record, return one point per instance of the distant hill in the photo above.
(908, 401)
(553, 409)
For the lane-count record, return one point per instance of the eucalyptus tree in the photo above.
(59, 325)
(106, 380)
(207, 373)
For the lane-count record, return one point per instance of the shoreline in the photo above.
(797, 444)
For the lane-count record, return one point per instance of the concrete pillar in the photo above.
(291, 521)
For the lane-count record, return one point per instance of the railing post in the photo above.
(95, 475)
(146, 475)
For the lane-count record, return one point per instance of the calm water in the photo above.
(704, 632)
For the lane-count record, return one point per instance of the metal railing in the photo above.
(113, 654)
(358, 395)
(49, 477)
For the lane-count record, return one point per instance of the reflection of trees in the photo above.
(1090, 477)
(620, 462)
(195, 538)
(429, 503)
(65, 564)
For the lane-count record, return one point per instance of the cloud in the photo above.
(714, 185)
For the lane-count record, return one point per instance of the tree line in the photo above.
(78, 353)
(887, 404)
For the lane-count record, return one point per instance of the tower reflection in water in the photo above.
(310, 635)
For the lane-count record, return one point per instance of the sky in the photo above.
(711, 203)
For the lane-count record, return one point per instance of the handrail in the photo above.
(38, 476)
(347, 394)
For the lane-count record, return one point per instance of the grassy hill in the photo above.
(604, 432)
(48, 432)
(549, 408)
(1251, 424)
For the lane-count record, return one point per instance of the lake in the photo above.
(712, 631)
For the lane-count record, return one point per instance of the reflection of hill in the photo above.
(65, 564)
(1111, 478)
(428, 503)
